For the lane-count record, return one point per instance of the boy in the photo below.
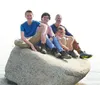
(29, 37)
(65, 41)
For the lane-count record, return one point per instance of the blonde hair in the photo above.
(61, 28)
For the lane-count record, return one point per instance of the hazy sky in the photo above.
(81, 17)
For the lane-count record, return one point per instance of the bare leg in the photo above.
(63, 40)
(43, 30)
(40, 35)
(69, 43)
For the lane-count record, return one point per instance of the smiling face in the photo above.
(58, 19)
(29, 16)
(61, 31)
(45, 19)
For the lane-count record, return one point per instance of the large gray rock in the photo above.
(4, 81)
(26, 67)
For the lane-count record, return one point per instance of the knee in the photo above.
(54, 38)
(43, 29)
(43, 26)
(71, 38)
(63, 38)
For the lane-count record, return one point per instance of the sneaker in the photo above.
(43, 49)
(85, 55)
(73, 54)
(38, 48)
(55, 53)
(65, 55)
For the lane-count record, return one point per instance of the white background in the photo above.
(81, 17)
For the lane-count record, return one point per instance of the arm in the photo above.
(67, 32)
(27, 42)
(51, 34)
(64, 46)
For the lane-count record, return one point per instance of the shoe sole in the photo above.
(85, 57)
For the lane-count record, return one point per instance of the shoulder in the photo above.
(52, 25)
(63, 26)
(23, 24)
(34, 21)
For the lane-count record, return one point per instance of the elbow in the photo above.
(22, 38)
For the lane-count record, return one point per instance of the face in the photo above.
(61, 33)
(58, 19)
(45, 19)
(29, 16)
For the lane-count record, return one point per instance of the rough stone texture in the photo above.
(26, 67)
(3, 81)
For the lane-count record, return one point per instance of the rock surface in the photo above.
(26, 67)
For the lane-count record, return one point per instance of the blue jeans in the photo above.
(54, 44)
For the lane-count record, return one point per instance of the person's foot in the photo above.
(85, 55)
(55, 53)
(43, 49)
(65, 55)
(38, 48)
(73, 54)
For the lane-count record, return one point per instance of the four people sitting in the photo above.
(61, 44)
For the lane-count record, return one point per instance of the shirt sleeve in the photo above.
(38, 23)
(21, 28)
(67, 32)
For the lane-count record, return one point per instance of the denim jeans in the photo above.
(54, 44)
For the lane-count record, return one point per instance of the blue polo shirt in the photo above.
(54, 28)
(29, 30)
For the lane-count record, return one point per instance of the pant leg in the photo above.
(40, 35)
(21, 43)
(49, 43)
(34, 39)
(57, 44)
(76, 46)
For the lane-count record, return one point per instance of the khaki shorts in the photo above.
(34, 39)
(63, 40)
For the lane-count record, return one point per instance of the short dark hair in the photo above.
(28, 11)
(45, 14)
